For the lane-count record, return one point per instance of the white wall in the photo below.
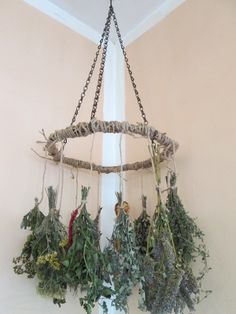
(43, 66)
(185, 69)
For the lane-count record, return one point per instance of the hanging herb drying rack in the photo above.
(156, 253)
(83, 129)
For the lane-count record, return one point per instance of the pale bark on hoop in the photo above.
(84, 129)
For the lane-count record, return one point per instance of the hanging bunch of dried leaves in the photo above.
(162, 272)
(122, 256)
(84, 263)
(49, 245)
(159, 254)
(26, 262)
(141, 228)
(189, 243)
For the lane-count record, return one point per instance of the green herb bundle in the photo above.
(96, 222)
(141, 228)
(26, 262)
(189, 243)
(122, 256)
(49, 245)
(162, 273)
(33, 218)
(161, 270)
(85, 264)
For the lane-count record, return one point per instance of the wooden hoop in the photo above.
(84, 129)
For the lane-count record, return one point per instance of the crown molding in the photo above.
(154, 18)
(65, 18)
(76, 25)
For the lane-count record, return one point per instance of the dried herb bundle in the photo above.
(96, 222)
(141, 228)
(85, 264)
(33, 218)
(158, 254)
(162, 273)
(49, 245)
(122, 256)
(26, 262)
(189, 243)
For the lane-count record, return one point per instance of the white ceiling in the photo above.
(134, 16)
(93, 12)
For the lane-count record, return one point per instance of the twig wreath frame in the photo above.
(84, 129)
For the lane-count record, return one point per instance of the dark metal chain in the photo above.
(106, 28)
(129, 68)
(105, 39)
(102, 66)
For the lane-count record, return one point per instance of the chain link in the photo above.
(85, 88)
(102, 66)
(105, 39)
(129, 68)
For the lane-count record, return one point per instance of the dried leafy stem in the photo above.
(26, 262)
(158, 254)
(85, 264)
(190, 246)
(50, 242)
(122, 257)
(161, 269)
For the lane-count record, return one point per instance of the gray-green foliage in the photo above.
(84, 263)
(50, 253)
(33, 218)
(159, 254)
(141, 228)
(161, 268)
(162, 273)
(42, 252)
(189, 243)
(26, 262)
(123, 261)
